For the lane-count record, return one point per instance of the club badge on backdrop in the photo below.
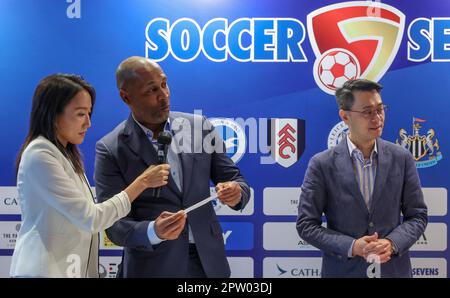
(337, 133)
(233, 136)
(287, 140)
(424, 148)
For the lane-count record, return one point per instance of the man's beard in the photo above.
(161, 117)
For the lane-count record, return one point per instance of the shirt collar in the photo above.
(148, 132)
(352, 147)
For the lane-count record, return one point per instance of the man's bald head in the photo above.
(127, 71)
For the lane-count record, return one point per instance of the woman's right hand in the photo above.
(155, 176)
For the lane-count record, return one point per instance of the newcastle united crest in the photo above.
(424, 148)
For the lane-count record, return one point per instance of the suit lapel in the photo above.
(139, 143)
(344, 165)
(183, 136)
(187, 162)
(78, 180)
(384, 162)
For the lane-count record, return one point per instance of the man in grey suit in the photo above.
(159, 240)
(362, 185)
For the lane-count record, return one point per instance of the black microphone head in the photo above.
(164, 138)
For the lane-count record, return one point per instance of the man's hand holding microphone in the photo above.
(168, 225)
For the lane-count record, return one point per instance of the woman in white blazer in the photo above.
(60, 220)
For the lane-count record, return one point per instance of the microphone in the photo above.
(164, 140)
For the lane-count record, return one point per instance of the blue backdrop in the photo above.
(92, 37)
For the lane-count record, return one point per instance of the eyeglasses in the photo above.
(370, 114)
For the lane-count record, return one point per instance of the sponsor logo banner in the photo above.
(284, 200)
(237, 235)
(434, 238)
(429, 267)
(283, 236)
(292, 267)
(241, 267)
(9, 230)
(436, 200)
(5, 264)
(108, 266)
(9, 200)
(281, 200)
(106, 243)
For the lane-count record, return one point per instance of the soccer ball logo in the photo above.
(334, 68)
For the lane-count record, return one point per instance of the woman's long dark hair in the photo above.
(50, 98)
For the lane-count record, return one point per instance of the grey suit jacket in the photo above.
(123, 155)
(330, 188)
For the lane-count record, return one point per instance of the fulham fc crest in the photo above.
(287, 140)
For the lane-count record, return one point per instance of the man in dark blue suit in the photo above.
(362, 185)
(159, 240)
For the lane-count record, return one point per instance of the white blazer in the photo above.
(60, 220)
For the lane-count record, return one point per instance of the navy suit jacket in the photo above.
(330, 188)
(122, 155)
